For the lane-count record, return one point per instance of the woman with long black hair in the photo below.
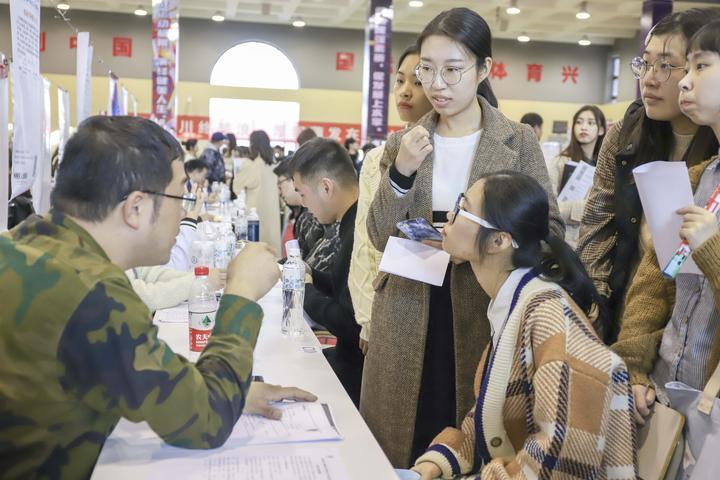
(588, 131)
(552, 400)
(426, 340)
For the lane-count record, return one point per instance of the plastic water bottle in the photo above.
(253, 222)
(202, 307)
(293, 283)
(224, 246)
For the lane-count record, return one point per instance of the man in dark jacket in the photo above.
(214, 159)
(325, 178)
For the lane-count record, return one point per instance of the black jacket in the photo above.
(327, 299)
(328, 302)
(628, 209)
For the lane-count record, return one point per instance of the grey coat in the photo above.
(394, 362)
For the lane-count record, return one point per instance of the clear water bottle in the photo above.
(293, 283)
(224, 246)
(202, 307)
(241, 225)
(253, 222)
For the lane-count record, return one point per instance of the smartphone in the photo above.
(419, 229)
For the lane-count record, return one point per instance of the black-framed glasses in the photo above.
(661, 67)
(460, 211)
(188, 199)
(450, 75)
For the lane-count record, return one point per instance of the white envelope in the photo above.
(664, 188)
(415, 260)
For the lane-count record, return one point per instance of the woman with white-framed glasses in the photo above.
(426, 340)
(613, 232)
(548, 392)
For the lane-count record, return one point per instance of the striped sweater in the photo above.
(555, 402)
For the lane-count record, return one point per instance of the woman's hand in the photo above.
(414, 148)
(698, 225)
(644, 399)
(427, 470)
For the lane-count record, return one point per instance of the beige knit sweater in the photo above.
(557, 402)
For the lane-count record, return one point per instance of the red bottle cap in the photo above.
(200, 271)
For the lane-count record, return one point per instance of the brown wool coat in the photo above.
(394, 362)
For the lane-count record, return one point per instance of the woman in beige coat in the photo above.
(427, 341)
(255, 176)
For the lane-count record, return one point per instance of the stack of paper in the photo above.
(301, 422)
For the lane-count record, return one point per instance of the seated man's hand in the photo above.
(261, 395)
(253, 272)
(427, 470)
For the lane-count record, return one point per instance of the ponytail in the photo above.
(517, 204)
(562, 265)
(486, 91)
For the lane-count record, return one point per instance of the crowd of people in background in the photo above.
(542, 352)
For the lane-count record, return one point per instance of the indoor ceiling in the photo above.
(544, 20)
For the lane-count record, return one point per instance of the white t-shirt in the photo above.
(451, 168)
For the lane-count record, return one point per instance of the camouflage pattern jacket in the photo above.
(78, 351)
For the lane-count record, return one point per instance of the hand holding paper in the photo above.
(664, 188)
(415, 261)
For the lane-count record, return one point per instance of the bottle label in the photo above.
(254, 231)
(201, 327)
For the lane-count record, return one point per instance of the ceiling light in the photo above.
(584, 41)
(298, 23)
(218, 17)
(415, 3)
(583, 14)
(513, 8)
(523, 38)
(63, 6)
(140, 11)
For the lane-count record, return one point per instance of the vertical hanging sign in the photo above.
(165, 34)
(41, 186)
(376, 71)
(63, 121)
(4, 143)
(84, 76)
(113, 96)
(124, 98)
(26, 93)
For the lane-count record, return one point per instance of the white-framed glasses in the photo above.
(450, 75)
(460, 211)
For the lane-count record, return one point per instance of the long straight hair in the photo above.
(516, 203)
(655, 137)
(260, 145)
(574, 150)
(469, 30)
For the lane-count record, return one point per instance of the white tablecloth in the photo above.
(132, 448)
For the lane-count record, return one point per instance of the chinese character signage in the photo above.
(376, 72)
(344, 61)
(27, 96)
(165, 34)
(122, 47)
(83, 80)
(339, 131)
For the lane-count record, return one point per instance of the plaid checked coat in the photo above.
(556, 401)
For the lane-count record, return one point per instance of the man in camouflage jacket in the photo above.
(78, 350)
